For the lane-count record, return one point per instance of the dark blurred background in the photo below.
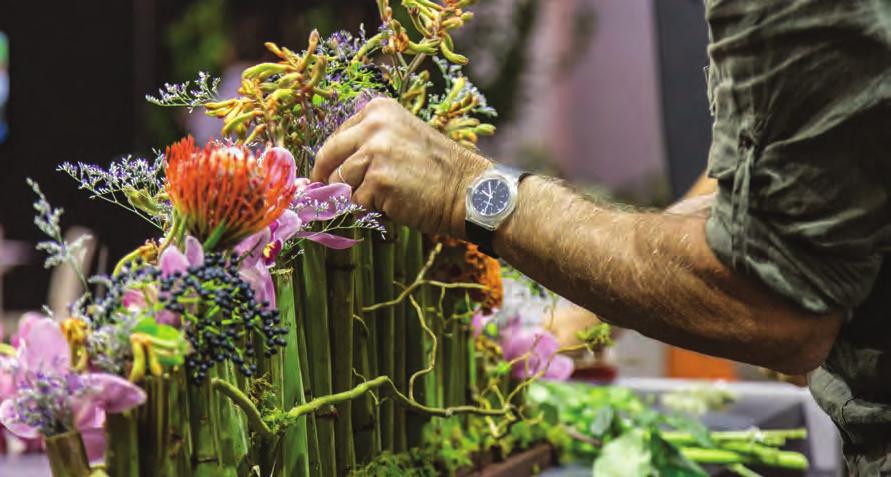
(608, 94)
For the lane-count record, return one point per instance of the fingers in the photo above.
(349, 137)
(352, 171)
(336, 150)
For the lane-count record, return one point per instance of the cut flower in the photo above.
(47, 397)
(222, 194)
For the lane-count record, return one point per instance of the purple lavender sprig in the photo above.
(123, 182)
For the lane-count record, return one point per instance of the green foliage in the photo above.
(629, 454)
(596, 336)
(622, 435)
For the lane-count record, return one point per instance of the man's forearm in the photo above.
(655, 273)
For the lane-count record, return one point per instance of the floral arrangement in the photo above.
(273, 327)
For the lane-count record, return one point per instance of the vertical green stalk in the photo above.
(165, 436)
(318, 341)
(294, 443)
(364, 357)
(384, 249)
(265, 451)
(341, 266)
(67, 455)
(455, 355)
(416, 341)
(219, 430)
(122, 444)
(307, 394)
(400, 357)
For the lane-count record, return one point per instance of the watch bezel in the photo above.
(490, 222)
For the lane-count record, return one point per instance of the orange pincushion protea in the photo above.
(222, 194)
(462, 262)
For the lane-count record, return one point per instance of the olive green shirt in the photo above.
(801, 96)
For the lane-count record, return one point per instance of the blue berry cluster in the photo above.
(221, 315)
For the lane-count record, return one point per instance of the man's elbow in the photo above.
(800, 350)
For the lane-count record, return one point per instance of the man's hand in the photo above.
(398, 165)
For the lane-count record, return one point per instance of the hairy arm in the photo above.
(655, 273)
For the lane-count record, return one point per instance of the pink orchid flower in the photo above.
(48, 397)
(259, 251)
(541, 347)
(318, 202)
(171, 261)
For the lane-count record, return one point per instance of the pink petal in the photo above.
(261, 282)
(329, 240)
(7, 379)
(113, 393)
(172, 261)
(279, 158)
(94, 442)
(167, 317)
(287, 225)
(325, 195)
(194, 251)
(87, 412)
(515, 343)
(133, 299)
(251, 248)
(25, 322)
(478, 322)
(8, 418)
(560, 369)
(45, 348)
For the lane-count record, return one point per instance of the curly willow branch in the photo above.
(420, 281)
(434, 344)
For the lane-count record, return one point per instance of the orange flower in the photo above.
(223, 194)
(462, 262)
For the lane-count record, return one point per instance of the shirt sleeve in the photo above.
(801, 146)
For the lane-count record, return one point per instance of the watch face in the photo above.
(490, 197)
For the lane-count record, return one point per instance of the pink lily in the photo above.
(540, 348)
(48, 397)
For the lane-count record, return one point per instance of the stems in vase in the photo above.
(384, 249)
(400, 341)
(416, 349)
(341, 266)
(364, 410)
(307, 394)
(122, 444)
(315, 292)
(67, 455)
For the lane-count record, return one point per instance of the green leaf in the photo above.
(626, 456)
(669, 462)
(147, 325)
(696, 429)
(602, 421)
(551, 414)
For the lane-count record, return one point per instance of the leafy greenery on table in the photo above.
(621, 435)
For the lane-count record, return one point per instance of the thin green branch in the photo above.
(240, 399)
(284, 420)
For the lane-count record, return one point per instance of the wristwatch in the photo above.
(491, 198)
